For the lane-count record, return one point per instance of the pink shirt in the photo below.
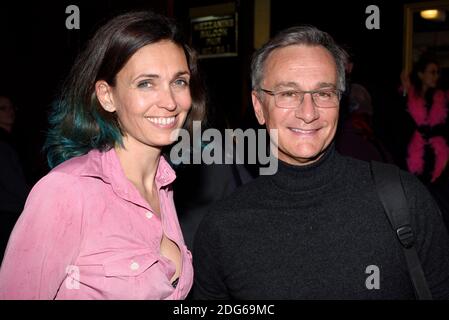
(87, 233)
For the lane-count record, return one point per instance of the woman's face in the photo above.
(151, 96)
(429, 76)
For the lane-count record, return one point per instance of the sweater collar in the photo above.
(294, 178)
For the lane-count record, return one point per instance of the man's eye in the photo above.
(325, 94)
(144, 84)
(288, 94)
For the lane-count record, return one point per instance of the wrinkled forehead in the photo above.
(301, 64)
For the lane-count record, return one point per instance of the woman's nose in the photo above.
(167, 100)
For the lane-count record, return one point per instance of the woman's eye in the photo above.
(144, 84)
(181, 83)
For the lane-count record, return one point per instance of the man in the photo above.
(316, 229)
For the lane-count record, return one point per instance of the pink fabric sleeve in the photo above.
(45, 241)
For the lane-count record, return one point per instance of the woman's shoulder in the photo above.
(70, 171)
(89, 163)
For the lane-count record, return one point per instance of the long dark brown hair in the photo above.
(78, 123)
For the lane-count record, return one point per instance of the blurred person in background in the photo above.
(355, 134)
(424, 130)
(13, 186)
(424, 127)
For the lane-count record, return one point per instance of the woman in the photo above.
(102, 224)
(427, 152)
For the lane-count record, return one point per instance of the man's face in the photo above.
(306, 131)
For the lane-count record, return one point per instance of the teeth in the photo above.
(162, 120)
(302, 131)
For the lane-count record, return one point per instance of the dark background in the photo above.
(36, 53)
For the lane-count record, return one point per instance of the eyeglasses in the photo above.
(291, 99)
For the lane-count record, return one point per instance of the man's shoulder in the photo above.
(415, 191)
(244, 198)
(357, 167)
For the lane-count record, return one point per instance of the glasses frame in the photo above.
(303, 93)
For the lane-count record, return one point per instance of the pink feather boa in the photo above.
(436, 115)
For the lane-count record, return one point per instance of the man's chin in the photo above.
(300, 160)
(302, 157)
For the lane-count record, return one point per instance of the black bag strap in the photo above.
(391, 193)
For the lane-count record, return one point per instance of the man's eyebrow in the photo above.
(295, 85)
(326, 85)
(286, 84)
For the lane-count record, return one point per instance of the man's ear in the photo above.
(104, 94)
(258, 108)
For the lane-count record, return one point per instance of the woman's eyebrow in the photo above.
(146, 75)
(156, 76)
(181, 73)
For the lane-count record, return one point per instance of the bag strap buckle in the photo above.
(406, 236)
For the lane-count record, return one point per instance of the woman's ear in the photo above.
(104, 94)
(258, 108)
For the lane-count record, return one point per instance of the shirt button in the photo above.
(149, 214)
(134, 266)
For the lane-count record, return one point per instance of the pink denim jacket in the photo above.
(87, 233)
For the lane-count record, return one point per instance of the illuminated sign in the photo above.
(215, 36)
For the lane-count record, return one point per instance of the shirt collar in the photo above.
(165, 174)
(106, 166)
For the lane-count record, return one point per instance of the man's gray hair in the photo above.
(301, 35)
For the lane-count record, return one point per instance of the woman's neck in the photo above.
(139, 162)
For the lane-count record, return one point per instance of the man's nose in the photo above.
(307, 110)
